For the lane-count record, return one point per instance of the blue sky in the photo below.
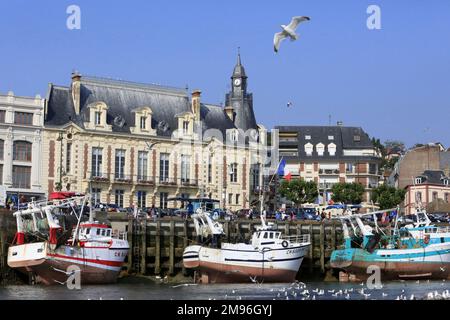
(394, 82)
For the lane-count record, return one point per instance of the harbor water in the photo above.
(405, 290)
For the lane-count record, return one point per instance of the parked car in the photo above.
(242, 213)
(408, 219)
(439, 217)
(220, 212)
(305, 213)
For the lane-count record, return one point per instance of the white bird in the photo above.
(288, 31)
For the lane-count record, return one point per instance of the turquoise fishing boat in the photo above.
(417, 250)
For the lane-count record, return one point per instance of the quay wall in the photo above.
(156, 246)
(7, 232)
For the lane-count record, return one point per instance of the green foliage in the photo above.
(388, 197)
(348, 193)
(58, 186)
(299, 191)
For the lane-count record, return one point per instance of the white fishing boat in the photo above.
(269, 257)
(45, 249)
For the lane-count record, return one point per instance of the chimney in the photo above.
(76, 91)
(230, 112)
(196, 104)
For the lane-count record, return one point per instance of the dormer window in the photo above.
(143, 123)
(185, 127)
(418, 180)
(308, 149)
(446, 182)
(332, 149)
(330, 137)
(186, 122)
(98, 118)
(320, 149)
(356, 138)
(308, 137)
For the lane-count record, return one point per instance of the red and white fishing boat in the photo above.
(270, 257)
(43, 247)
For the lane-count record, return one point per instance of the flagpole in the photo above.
(273, 176)
(261, 194)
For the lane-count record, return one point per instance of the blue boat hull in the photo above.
(393, 264)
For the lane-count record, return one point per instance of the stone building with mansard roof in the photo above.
(129, 143)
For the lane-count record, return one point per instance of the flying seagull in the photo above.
(288, 31)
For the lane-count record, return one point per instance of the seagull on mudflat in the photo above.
(288, 31)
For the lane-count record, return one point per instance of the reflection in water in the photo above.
(296, 291)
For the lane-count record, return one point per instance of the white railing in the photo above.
(303, 238)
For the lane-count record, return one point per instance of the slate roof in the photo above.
(343, 138)
(433, 176)
(122, 98)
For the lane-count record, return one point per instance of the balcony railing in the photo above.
(329, 171)
(123, 178)
(166, 181)
(99, 177)
(326, 185)
(145, 180)
(189, 182)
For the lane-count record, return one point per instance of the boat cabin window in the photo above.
(98, 232)
(271, 235)
(431, 230)
(265, 235)
(103, 232)
(109, 233)
(259, 235)
(88, 231)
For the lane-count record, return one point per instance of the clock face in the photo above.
(237, 82)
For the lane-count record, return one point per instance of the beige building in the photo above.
(426, 188)
(129, 143)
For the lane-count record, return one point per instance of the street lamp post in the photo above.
(60, 139)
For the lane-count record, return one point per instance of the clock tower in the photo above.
(240, 100)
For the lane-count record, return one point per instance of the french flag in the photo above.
(282, 171)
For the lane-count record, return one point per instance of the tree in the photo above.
(394, 144)
(347, 193)
(388, 197)
(299, 191)
(379, 146)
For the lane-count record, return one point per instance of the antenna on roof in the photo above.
(329, 119)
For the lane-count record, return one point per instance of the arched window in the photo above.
(22, 151)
